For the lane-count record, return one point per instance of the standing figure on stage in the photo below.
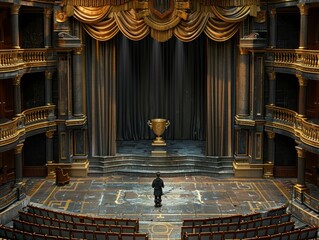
(158, 184)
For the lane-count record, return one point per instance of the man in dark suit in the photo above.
(158, 184)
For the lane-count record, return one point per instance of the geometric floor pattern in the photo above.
(184, 197)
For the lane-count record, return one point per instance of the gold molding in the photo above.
(76, 122)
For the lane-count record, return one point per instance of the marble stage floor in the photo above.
(184, 197)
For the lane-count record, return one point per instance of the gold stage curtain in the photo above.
(221, 74)
(101, 89)
(103, 23)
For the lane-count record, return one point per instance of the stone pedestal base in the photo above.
(75, 169)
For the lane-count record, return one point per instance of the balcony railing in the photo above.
(15, 59)
(36, 117)
(37, 114)
(303, 60)
(288, 120)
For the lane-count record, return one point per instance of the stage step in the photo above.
(168, 165)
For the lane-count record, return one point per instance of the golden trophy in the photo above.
(158, 125)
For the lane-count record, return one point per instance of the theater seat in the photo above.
(61, 177)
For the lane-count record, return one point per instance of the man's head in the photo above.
(158, 174)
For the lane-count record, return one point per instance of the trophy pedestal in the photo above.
(159, 149)
(158, 142)
(159, 152)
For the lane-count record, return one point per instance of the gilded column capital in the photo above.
(271, 76)
(15, 9)
(48, 75)
(49, 134)
(300, 152)
(17, 80)
(303, 82)
(243, 51)
(271, 135)
(78, 51)
(304, 9)
(47, 12)
(18, 148)
(273, 11)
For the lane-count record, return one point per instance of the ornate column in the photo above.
(19, 170)
(242, 107)
(77, 83)
(303, 39)
(18, 162)
(48, 87)
(47, 28)
(302, 94)
(269, 165)
(17, 94)
(49, 146)
(272, 87)
(300, 186)
(15, 25)
(273, 28)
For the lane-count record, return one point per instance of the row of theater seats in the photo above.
(297, 234)
(235, 218)
(258, 222)
(34, 219)
(53, 225)
(83, 218)
(274, 224)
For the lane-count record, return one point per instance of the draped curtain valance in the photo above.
(136, 21)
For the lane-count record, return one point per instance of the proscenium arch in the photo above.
(219, 25)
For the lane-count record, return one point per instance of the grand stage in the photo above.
(181, 157)
(173, 148)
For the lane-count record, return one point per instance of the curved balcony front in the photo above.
(294, 61)
(30, 122)
(288, 122)
(14, 61)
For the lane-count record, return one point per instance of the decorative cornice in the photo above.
(221, 3)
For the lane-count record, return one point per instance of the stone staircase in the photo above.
(167, 165)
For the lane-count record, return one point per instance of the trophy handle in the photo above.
(167, 124)
(149, 123)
